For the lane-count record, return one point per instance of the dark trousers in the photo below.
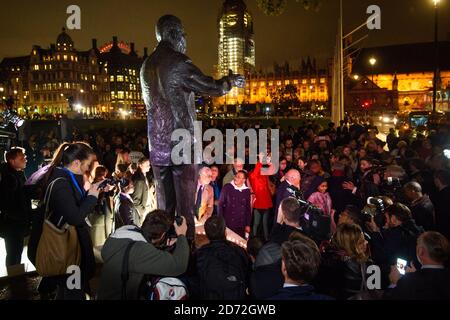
(14, 236)
(175, 192)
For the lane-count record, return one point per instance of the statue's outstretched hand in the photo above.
(238, 81)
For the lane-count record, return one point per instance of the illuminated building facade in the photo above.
(123, 66)
(402, 78)
(310, 83)
(61, 79)
(47, 79)
(236, 45)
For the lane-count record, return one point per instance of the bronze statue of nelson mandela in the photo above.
(169, 82)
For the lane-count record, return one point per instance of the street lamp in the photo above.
(373, 62)
(436, 52)
(2, 89)
(356, 77)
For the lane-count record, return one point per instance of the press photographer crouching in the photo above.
(131, 254)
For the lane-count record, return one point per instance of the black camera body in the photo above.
(315, 224)
(375, 209)
(122, 183)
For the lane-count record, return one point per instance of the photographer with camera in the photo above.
(397, 239)
(147, 254)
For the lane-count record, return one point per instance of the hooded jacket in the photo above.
(145, 259)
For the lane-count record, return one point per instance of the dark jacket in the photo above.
(394, 243)
(15, 204)
(169, 82)
(422, 211)
(340, 275)
(128, 214)
(266, 279)
(234, 206)
(141, 194)
(68, 206)
(306, 292)
(281, 232)
(424, 284)
(144, 259)
(230, 254)
(442, 207)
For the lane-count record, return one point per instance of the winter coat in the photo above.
(260, 187)
(145, 259)
(234, 206)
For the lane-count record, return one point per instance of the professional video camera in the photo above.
(314, 222)
(375, 209)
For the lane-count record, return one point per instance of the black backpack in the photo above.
(223, 276)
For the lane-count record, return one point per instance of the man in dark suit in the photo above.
(442, 202)
(292, 180)
(422, 209)
(431, 282)
(300, 264)
(267, 278)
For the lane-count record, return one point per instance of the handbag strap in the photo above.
(125, 275)
(47, 196)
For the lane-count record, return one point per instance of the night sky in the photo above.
(295, 34)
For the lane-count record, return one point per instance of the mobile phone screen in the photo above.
(401, 265)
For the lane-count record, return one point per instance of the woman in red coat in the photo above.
(263, 196)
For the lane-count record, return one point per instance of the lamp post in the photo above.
(436, 52)
(373, 62)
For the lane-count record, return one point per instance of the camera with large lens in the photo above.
(122, 183)
(315, 224)
(375, 209)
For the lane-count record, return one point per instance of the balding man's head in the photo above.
(293, 177)
(238, 164)
(413, 190)
(205, 176)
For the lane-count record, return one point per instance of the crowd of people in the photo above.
(341, 201)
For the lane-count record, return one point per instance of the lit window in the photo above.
(322, 80)
(113, 95)
(271, 83)
(304, 81)
(120, 94)
(295, 81)
(65, 57)
(287, 82)
(36, 67)
(111, 78)
(71, 58)
(262, 84)
(313, 81)
(119, 78)
(278, 83)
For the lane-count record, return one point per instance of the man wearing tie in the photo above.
(204, 198)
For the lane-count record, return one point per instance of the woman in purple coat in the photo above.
(234, 205)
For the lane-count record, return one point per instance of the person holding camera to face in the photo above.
(397, 239)
(147, 254)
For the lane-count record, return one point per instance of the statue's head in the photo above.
(170, 29)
